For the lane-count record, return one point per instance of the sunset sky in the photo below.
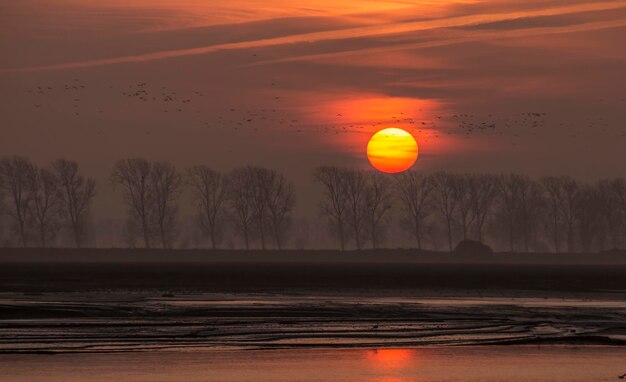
(533, 86)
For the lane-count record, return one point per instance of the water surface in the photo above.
(517, 363)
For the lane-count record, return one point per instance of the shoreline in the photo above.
(111, 305)
(410, 256)
(305, 277)
(79, 323)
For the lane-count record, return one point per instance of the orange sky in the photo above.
(292, 84)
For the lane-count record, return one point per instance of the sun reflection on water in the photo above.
(389, 359)
(392, 365)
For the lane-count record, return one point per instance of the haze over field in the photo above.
(532, 87)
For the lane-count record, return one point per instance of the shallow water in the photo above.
(534, 302)
(95, 322)
(513, 364)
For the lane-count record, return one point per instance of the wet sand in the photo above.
(82, 307)
(304, 320)
(140, 321)
(451, 364)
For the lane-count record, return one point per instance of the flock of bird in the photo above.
(277, 113)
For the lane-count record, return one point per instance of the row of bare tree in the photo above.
(258, 202)
(522, 213)
(569, 214)
(42, 201)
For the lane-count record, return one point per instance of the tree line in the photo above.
(42, 201)
(256, 201)
(519, 212)
(436, 210)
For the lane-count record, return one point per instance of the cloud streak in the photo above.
(365, 32)
(469, 38)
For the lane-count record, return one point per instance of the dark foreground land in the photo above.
(66, 301)
(375, 272)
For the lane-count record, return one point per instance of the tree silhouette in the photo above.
(209, 190)
(357, 204)
(166, 185)
(615, 208)
(261, 180)
(483, 189)
(15, 175)
(591, 224)
(241, 201)
(77, 192)
(378, 203)
(355, 187)
(414, 191)
(45, 199)
(280, 202)
(334, 203)
(445, 199)
(508, 189)
(528, 207)
(568, 205)
(133, 175)
(461, 192)
(553, 189)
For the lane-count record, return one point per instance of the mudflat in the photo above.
(110, 305)
(433, 364)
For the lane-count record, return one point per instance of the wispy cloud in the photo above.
(369, 31)
(467, 37)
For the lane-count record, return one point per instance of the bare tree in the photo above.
(133, 175)
(482, 190)
(280, 202)
(334, 205)
(210, 192)
(45, 198)
(355, 184)
(261, 180)
(618, 189)
(241, 201)
(15, 174)
(77, 193)
(378, 203)
(610, 210)
(461, 192)
(445, 199)
(568, 206)
(587, 213)
(562, 196)
(414, 191)
(521, 202)
(508, 189)
(553, 188)
(528, 207)
(166, 185)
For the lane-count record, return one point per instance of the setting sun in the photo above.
(392, 150)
